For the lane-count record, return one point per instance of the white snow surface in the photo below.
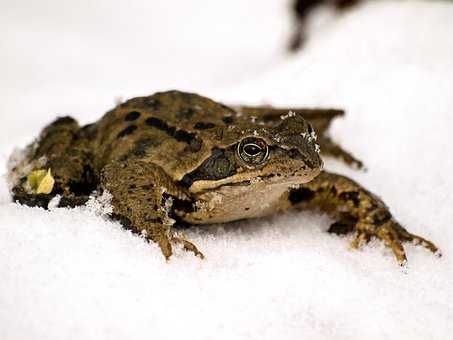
(73, 274)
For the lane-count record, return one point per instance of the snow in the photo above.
(74, 274)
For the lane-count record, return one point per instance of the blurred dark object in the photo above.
(303, 8)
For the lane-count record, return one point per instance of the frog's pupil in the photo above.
(252, 149)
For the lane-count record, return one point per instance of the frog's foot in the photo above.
(393, 235)
(357, 210)
(180, 238)
(166, 244)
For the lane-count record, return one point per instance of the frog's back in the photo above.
(173, 129)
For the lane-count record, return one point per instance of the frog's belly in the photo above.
(231, 203)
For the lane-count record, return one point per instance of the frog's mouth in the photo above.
(252, 181)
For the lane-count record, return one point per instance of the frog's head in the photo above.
(284, 154)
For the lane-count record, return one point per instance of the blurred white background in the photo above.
(80, 55)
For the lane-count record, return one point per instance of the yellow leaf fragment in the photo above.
(41, 181)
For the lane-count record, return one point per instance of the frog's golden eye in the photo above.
(253, 151)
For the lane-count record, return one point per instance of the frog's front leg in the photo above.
(142, 199)
(357, 209)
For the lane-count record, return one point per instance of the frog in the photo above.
(173, 160)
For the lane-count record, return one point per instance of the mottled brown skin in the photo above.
(177, 159)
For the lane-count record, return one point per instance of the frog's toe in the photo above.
(361, 238)
(187, 245)
(165, 247)
(393, 235)
(391, 238)
(417, 240)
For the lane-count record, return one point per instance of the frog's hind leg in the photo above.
(63, 155)
(319, 118)
(357, 210)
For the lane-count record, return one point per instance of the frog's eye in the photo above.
(253, 151)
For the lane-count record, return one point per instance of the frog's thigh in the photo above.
(61, 150)
(319, 118)
(142, 200)
(357, 209)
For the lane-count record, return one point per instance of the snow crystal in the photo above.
(54, 202)
(317, 148)
(100, 205)
(290, 114)
(313, 135)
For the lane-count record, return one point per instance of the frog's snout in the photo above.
(308, 156)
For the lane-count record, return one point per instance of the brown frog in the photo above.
(175, 159)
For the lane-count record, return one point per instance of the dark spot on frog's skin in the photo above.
(183, 136)
(246, 209)
(352, 196)
(228, 119)
(141, 146)
(300, 195)
(180, 135)
(158, 124)
(131, 116)
(185, 113)
(342, 227)
(147, 187)
(127, 131)
(219, 165)
(152, 103)
(195, 145)
(132, 186)
(381, 216)
(203, 126)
